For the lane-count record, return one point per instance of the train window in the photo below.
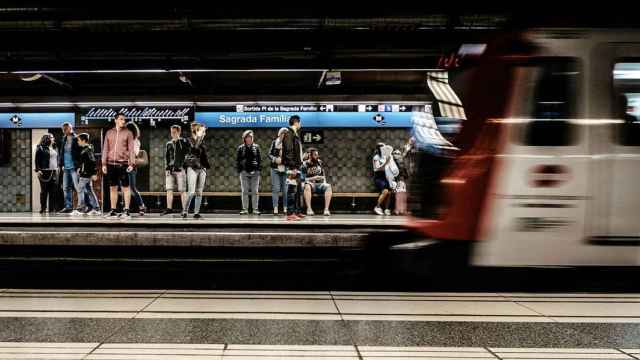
(554, 83)
(626, 102)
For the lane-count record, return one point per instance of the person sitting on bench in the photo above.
(313, 177)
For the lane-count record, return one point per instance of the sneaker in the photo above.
(94, 212)
(275, 212)
(65, 211)
(387, 212)
(244, 212)
(327, 213)
(292, 217)
(310, 212)
(142, 210)
(76, 213)
(301, 215)
(112, 214)
(284, 211)
(197, 216)
(184, 215)
(256, 212)
(166, 212)
(125, 215)
(378, 210)
(42, 212)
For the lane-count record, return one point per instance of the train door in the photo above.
(538, 197)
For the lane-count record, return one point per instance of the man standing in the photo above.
(69, 162)
(248, 164)
(118, 158)
(292, 150)
(175, 174)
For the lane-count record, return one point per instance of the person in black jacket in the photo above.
(46, 168)
(196, 162)
(68, 159)
(248, 164)
(292, 155)
(278, 172)
(175, 175)
(87, 173)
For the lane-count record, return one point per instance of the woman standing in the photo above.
(196, 162)
(380, 179)
(278, 172)
(47, 170)
(141, 160)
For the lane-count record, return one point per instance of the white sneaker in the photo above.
(275, 212)
(94, 212)
(310, 212)
(378, 210)
(75, 213)
(387, 212)
(327, 213)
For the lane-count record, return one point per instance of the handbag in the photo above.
(142, 159)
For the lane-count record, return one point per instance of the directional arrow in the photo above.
(369, 107)
(403, 108)
(317, 137)
(323, 108)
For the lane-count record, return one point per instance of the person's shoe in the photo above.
(184, 215)
(166, 212)
(301, 215)
(76, 213)
(275, 212)
(244, 212)
(256, 212)
(42, 212)
(378, 210)
(197, 216)
(310, 212)
(387, 212)
(112, 214)
(284, 211)
(65, 211)
(327, 213)
(292, 217)
(94, 212)
(142, 210)
(125, 215)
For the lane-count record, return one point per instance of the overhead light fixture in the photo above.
(333, 78)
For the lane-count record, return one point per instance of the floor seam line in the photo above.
(537, 312)
(149, 304)
(626, 353)
(346, 326)
(492, 353)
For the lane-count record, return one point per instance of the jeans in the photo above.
(86, 191)
(278, 184)
(250, 183)
(69, 184)
(293, 199)
(48, 187)
(195, 185)
(135, 195)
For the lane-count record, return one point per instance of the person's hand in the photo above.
(278, 161)
(130, 168)
(94, 178)
(104, 170)
(39, 173)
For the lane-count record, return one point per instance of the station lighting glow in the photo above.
(115, 71)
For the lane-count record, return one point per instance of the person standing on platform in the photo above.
(68, 160)
(87, 174)
(118, 159)
(292, 150)
(380, 163)
(278, 172)
(248, 165)
(142, 159)
(196, 162)
(46, 168)
(175, 175)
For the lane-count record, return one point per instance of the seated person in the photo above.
(314, 180)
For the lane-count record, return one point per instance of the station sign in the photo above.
(21, 120)
(153, 116)
(312, 137)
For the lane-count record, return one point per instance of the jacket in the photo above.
(88, 166)
(43, 158)
(118, 147)
(75, 151)
(248, 158)
(274, 153)
(197, 156)
(292, 150)
(175, 154)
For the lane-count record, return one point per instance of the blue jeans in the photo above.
(85, 186)
(135, 195)
(278, 184)
(69, 184)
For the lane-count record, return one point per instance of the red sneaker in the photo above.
(301, 215)
(293, 217)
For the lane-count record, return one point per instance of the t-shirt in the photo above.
(310, 170)
(68, 155)
(53, 159)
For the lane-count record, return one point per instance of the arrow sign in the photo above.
(317, 137)
(369, 107)
(403, 108)
(313, 136)
(323, 108)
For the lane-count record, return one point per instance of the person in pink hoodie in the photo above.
(118, 159)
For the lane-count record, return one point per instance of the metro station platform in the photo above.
(214, 230)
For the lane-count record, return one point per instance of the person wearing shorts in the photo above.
(175, 174)
(381, 182)
(118, 158)
(314, 179)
